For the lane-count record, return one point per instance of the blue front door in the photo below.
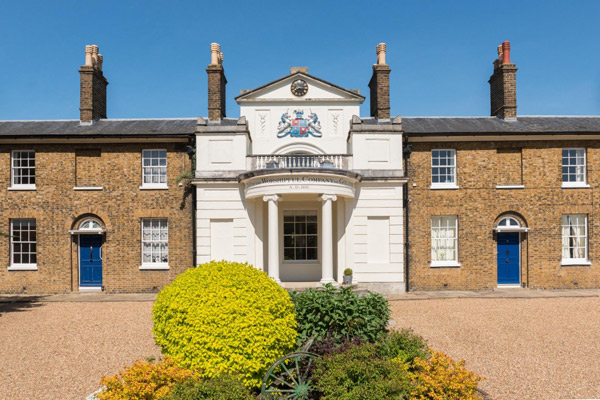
(90, 260)
(508, 258)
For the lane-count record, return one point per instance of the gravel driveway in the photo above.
(544, 348)
(60, 351)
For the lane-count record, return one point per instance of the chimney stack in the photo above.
(503, 85)
(92, 88)
(380, 86)
(216, 84)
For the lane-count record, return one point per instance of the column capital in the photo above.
(327, 197)
(272, 197)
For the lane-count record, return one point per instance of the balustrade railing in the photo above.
(337, 161)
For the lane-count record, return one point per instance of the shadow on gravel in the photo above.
(18, 304)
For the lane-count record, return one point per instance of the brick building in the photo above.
(94, 203)
(417, 203)
(504, 200)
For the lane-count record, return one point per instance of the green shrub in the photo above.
(439, 378)
(225, 317)
(348, 272)
(340, 314)
(404, 345)
(222, 387)
(358, 373)
(143, 381)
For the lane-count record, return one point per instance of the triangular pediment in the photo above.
(318, 90)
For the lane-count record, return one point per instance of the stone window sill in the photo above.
(444, 187)
(161, 187)
(158, 267)
(444, 264)
(510, 186)
(29, 267)
(575, 185)
(22, 188)
(575, 263)
(88, 188)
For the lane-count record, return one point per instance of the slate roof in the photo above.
(526, 125)
(100, 128)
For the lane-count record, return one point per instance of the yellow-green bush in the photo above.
(441, 378)
(143, 381)
(225, 317)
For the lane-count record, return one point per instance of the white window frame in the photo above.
(153, 265)
(575, 261)
(445, 263)
(304, 212)
(577, 184)
(20, 186)
(21, 266)
(150, 185)
(444, 185)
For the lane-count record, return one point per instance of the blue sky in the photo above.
(156, 52)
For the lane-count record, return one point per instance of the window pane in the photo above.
(23, 168)
(443, 166)
(444, 239)
(288, 228)
(300, 254)
(155, 237)
(300, 235)
(573, 165)
(23, 241)
(288, 241)
(288, 254)
(574, 236)
(154, 166)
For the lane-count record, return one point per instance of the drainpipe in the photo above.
(192, 156)
(407, 150)
(71, 258)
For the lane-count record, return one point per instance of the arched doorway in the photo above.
(508, 240)
(90, 237)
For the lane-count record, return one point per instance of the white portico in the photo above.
(301, 187)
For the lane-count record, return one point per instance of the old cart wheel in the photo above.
(288, 378)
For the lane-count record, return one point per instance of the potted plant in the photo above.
(348, 276)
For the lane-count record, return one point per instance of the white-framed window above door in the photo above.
(510, 223)
(90, 224)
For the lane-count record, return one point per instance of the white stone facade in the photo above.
(303, 198)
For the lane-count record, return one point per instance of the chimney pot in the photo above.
(94, 54)
(381, 50)
(506, 52)
(293, 70)
(215, 50)
(88, 56)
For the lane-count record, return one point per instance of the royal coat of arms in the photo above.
(299, 126)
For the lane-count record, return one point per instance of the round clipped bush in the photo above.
(225, 317)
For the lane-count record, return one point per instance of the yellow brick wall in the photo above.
(56, 206)
(479, 206)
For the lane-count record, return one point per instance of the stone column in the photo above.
(273, 215)
(327, 240)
